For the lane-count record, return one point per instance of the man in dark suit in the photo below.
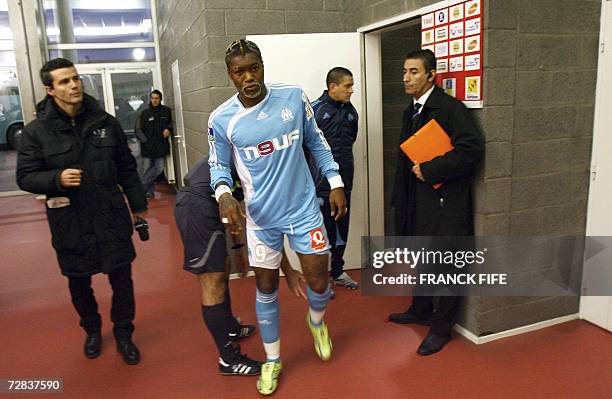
(422, 210)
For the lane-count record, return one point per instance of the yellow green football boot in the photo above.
(322, 342)
(268, 379)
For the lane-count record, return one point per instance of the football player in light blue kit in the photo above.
(263, 128)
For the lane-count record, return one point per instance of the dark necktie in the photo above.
(415, 111)
(415, 116)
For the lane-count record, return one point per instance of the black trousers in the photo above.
(441, 310)
(337, 233)
(122, 308)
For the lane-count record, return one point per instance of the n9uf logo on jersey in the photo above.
(269, 146)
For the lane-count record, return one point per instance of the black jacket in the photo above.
(151, 123)
(420, 209)
(339, 123)
(93, 233)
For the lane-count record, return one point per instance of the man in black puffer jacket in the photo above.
(77, 155)
(153, 128)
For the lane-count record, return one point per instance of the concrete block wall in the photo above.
(540, 72)
(196, 32)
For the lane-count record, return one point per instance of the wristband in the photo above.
(222, 189)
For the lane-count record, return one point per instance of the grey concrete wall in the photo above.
(540, 72)
(365, 12)
(196, 32)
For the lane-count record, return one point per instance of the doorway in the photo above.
(317, 53)
(395, 43)
(123, 91)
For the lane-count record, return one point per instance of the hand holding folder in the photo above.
(427, 143)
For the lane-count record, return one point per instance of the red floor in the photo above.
(40, 337)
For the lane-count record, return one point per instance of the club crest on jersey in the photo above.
(211, 134)
(269, 146)
(286, 114)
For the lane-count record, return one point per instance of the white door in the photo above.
(179, 132)
(304, 60)
(598, 268)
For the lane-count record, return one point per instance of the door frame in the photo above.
(106, 70)
(179, 132)
(598, 309)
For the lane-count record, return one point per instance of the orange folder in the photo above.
(428, 142)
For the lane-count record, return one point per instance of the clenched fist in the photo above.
(70, 178)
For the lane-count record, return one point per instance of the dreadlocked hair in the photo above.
(241, 47)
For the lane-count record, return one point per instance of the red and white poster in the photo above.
(454, 34)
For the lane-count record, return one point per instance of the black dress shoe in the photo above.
(408, 317)
(93, 345)
(129, 351)
(432, 343)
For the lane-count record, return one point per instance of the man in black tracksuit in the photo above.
(338, 119)
(153, 128)
(77, 155)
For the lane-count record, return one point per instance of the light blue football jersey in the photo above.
(265, 142)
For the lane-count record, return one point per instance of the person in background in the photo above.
(338, 119)
(153, 129)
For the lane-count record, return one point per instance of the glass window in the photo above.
(11, 126)
(94, 21)
(131, 95)
(92, 85)
(11, 118)
(89, 56)
(7, 55)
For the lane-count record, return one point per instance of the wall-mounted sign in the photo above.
(456, 13)
(456, 30)
(441, 49)
(442, 65)
(450, 86)
(456, 47)
(441, 17)
(454, 34)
